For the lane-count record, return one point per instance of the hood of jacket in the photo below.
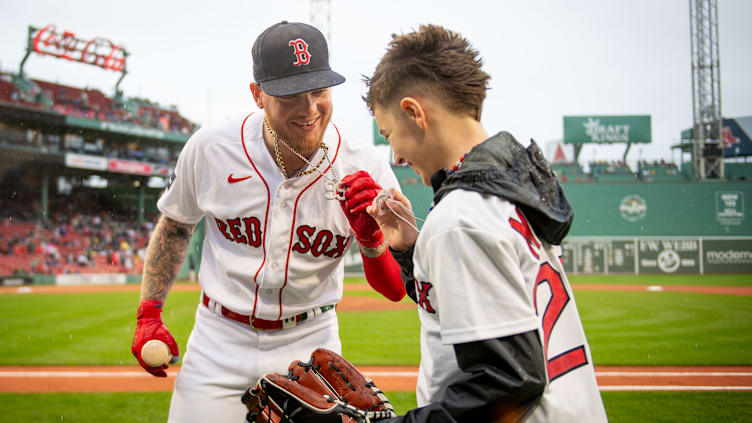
(501, 166)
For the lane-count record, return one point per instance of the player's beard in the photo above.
(307, 144)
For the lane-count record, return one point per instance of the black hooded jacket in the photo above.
(504, 377)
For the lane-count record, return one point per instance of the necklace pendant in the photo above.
(334, 191)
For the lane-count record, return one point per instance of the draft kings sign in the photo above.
(607, 129)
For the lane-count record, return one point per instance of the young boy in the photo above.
(501, 339)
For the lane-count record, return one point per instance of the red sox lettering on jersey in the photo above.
(247, 230)
(302, 56)
(523, 228)
(274, 246)
(320, 243)
(424, 301)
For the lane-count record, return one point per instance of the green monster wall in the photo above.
(639, 227)
(659, 209)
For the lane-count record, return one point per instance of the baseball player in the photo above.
(501, 339)
(271, 190)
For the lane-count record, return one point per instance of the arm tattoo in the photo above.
(164, 257)
(374, 252)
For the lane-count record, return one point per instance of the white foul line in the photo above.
(673, 374)
(674, 388)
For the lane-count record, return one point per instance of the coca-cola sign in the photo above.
(65, 45)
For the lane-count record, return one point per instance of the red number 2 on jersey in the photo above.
(570, 359)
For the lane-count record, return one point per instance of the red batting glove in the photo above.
(360, 190)
(148, 327)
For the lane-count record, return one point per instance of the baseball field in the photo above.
(671, 348)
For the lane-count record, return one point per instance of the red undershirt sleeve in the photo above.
(383, 274)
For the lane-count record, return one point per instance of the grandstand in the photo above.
(80, 172)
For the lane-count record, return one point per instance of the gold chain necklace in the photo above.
(278, 153)
(333, 187)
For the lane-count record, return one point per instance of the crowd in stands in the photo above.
(75, 143)
(570, 172)
(72, 241)
(603, 167)
(658, 170)
(617, 171)
(657, 164)
(91, 104)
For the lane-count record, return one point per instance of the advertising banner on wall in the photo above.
(607, 129)
(129, 166)
(727, 256)
(658, 255)
(85, 161)
(669, 255)
(729, 207)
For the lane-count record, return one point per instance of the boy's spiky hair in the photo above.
(431, 61)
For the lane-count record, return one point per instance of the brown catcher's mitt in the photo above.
(326, 389)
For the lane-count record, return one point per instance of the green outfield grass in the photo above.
(131, 407)
(725, 279)
(81, 329)
(667, 328)
(623, 328)
(730, 279)
(381, 338)
(627, 407)
(627, 328)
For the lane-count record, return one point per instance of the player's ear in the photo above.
(414, 111)
(256, 92)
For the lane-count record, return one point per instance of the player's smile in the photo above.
(308, 125)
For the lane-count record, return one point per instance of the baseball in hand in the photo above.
(155, 353)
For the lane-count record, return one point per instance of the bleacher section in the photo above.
(612, 172)
(659, 171)
(27, 248)
(570, 172)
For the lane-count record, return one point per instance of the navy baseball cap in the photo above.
(291, 58)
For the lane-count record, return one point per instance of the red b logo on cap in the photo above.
(302, 56)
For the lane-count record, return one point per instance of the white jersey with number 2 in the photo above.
(482, 273)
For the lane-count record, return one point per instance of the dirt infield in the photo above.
(395, 378)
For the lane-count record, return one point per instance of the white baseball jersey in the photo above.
(482, 273)
(273, 246)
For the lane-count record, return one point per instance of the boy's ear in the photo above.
(414, 111)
